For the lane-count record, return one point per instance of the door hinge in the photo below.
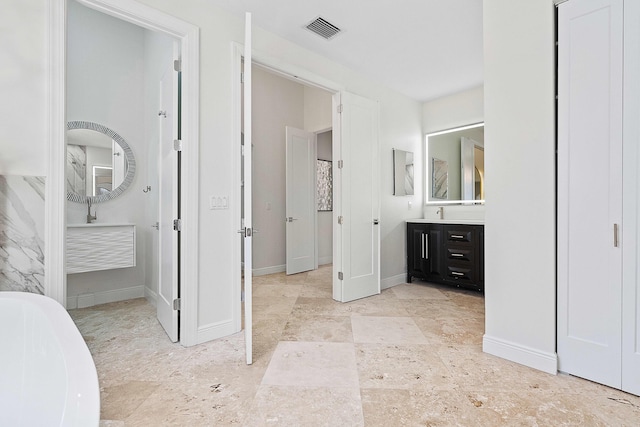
(177, 65)
(177, 224)
(340, 108)
(177, 144)
(241, 77)
(340, 275)
(340, 164)
(242, 296)
(340, 219)
(177, 304)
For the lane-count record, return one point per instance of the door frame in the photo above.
(55, 283)
(291, 72)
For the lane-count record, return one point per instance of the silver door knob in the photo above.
(156, 226)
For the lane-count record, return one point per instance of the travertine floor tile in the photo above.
(318, 328)
(312, 364)
(305, 406)
(396, 366)
(417, 291)
(386, 330)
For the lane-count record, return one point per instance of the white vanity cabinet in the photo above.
(93, 247)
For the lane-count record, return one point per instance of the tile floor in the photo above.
(410, 356)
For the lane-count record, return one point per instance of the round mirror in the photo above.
(100, 163)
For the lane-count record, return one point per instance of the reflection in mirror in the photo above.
(456, 159)
(100, 164)
(403, 173)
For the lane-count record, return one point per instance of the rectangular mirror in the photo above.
(402, 173)
(455, 158)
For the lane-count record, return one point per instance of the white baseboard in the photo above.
(543, 361)
(151, 296)
(269, 270)
(389, 282)
(91, 299)
(325, 260)
(214, 331)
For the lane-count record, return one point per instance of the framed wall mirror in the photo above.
(100, 164)
(403, 173)
(455, 162)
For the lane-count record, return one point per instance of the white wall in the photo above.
(318, 113)
(459, 109)
(400, 127)
(277, 102)
(520, 250)
(23, 85)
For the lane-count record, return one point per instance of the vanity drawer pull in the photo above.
(457, 236)
(456, 273)
(457, 255)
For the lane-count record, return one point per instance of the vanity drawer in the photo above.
(459, 234)
(461, 275)
(464, 254)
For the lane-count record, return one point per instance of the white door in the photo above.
(631, 206)
(247, 222)
(168, 203)
(300, 200)
(590, 189)
(357, 200)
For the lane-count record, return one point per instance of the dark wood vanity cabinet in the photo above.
(446, 253)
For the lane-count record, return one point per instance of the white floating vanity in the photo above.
(93, 247)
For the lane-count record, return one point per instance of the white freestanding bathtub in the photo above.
(47, 375)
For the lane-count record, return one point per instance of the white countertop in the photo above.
(447, 221)
(100, 224)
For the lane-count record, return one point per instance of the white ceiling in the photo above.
(422, 48)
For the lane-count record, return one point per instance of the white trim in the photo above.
(55, 278)
(151, 296)
(104, 297)
(392, 281)
(189, 35)
(543, 361)
(269, 270)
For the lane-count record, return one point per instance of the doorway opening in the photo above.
(161, 39)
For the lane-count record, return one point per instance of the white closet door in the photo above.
(631, 210)
(590, 189)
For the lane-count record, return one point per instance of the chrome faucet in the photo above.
(90, 218)
(440, 212)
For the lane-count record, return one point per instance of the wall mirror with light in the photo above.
(100, 164)
(403, 174)
(455, 165)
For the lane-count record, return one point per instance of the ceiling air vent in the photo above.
(323, 28)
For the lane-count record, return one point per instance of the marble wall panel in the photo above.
(22, 233)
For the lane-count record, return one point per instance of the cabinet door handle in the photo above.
(422, 244)
(426, 246)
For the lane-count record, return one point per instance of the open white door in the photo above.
(589, 158)
(358, 200)
(247, 225)
(300, 200)
(168, 202)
